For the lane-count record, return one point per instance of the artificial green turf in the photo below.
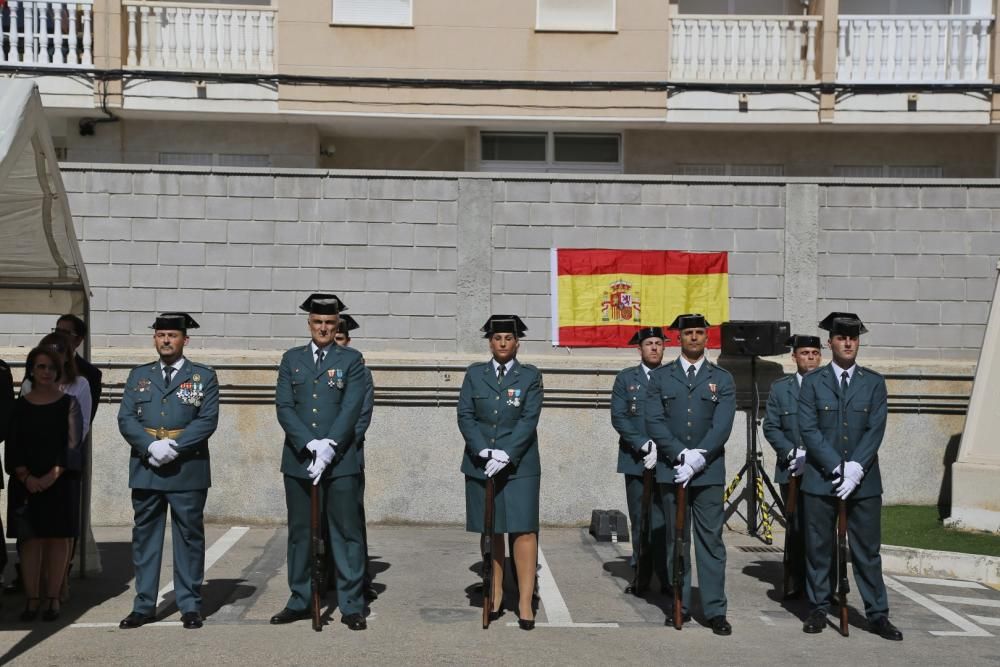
(919, 526)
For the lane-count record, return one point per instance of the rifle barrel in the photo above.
(488, 552)
(316, 549)
(678, 578)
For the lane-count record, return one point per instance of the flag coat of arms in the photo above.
(601, 297)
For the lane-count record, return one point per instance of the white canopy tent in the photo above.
(41, 270)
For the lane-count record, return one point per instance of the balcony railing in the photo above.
(46, 34)
(914, 49)
(743, 48)
(199, 38)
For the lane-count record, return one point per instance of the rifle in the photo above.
(792, 557)
(679, 549)
(488, 553)
(316, 556)
(643, 552)
(843, 586)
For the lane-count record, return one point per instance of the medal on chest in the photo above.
(143, 385)
(191, 393)
(514, 397)
(714, 388)
(336, 378)
(633, 406)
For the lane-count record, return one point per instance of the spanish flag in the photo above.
(601, 297)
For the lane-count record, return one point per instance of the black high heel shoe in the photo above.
(494, 615)
(525, 624)
(52, 613)
(30, 614)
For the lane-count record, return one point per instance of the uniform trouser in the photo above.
(795, 544)
(657, 526)
(703, 525)
(339, 502)
(330, 567)
(187, 530)
(864, 532)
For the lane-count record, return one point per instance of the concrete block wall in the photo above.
(422, 258)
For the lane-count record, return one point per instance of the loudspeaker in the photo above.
(609, 526)
(751, 338)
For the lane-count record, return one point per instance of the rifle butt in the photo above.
(315, 538)
(791, 530)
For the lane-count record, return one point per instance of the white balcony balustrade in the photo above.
(46, 34)
(760, 49)
(914, 49)
(199, 38)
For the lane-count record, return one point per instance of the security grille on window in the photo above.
(373, 12)
(551, 152)
(888, 171)
(576, 15)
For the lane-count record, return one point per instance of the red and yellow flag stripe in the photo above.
(600, 297)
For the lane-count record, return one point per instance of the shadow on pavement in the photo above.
(116, 559)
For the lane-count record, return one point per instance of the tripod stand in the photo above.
(754, 469)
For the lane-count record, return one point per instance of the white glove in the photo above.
(854, 472)
(694, 458)
(160, 452)
(846, 488)
(493, 466)
(649, 460)
(684, 474)
(496, 454)
(322, 450)
(315, 470)
(797, 464)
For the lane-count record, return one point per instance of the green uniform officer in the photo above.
(498, 410)
(781, 430)
(690, 406)
(343, 338)
(842, 415)
(636, 452)
(320, 390)
(169, 410)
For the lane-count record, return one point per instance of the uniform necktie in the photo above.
(167, 372)
(501, 371)
(691, 373)
(844, 382)
(319, 357)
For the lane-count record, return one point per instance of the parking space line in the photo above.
(986, 620)
(555, 606)
(969, 629)
(979, 602)
(953, 583)
(214, 553)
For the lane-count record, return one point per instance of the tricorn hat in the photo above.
(323, 304)
(797, 340)
(504, 324)
(843, 324)
(689, 321)
(346, 325)
(647, 332)
(174, 322)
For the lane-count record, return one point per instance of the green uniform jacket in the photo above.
(850, 429)
(501, 416)
(317, 403)
(781, 424)
(696, 416)
(628, 398)
(365, 419)
(190, 402)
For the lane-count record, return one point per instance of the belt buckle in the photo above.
(161, 433)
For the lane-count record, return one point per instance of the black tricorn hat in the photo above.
(843, 324)
(647, 332)
(504, 324)
(174, 322)
(797, 340)
(346, 325)
(323, 304)
(689, 321)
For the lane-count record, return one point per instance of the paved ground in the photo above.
(427, 612)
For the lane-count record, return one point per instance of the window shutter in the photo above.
(373, 12)
(582, 15)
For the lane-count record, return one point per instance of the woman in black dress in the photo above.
(43, 453)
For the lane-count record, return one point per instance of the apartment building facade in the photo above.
(869, 88)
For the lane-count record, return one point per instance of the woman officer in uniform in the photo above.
(498, 411)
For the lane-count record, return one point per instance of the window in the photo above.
(216, 159)
(551, 151)
(900, 7)
(373, 12)
(576, 15)
(742, 7)
(888, 171)
(774, 170)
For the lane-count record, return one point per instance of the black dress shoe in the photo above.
(884, 629)
(191, 620)
(815, 623)
(526, 625)
(287, 615)
(720, 626)
(354, 621)
(370, 593)
(135, 620)
(685, 618)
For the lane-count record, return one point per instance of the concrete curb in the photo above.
(942, 564)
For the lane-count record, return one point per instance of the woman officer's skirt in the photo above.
(515, 504)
